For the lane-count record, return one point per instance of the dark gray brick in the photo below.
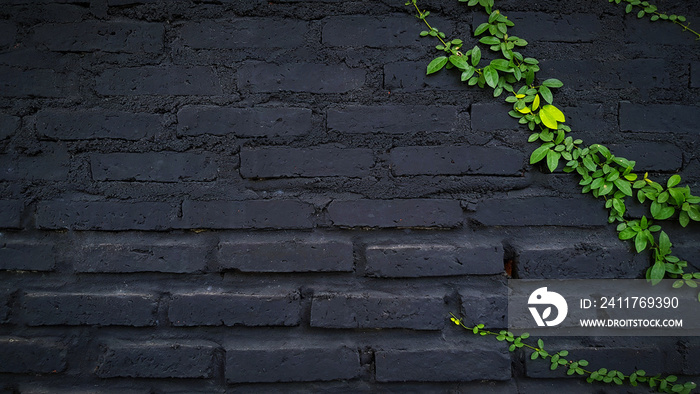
(141, 254)
(300, 253)
(659, 118)
(527, 211)
(15, 82)
(258, 214)
(393, 119)
(157, 359)
(153, 167)
(266, 363)
(8, 125)
(540, 26)
(103, 309)
(244, 122)
(88, 36)
(651, 359)
(10, 213)
(214, 309)
(49, 166)
(643, 35)
(396, 213)
(492, 116)
(8, 33)
(33, 355)
(587, 117)
(159, 80)
(583, 74)
(456, 160)
(5, 307)
(377, 310)
(96, 123)
(283, 162)
(650, 156)
(439, 364)
(299, 77)
(488, 306)
(695, 75)
(106, 215)
(692, 356)
(363, 31)
(572, 257)
(26, 255)
(421, 260)
(410, 77)
(244, 33)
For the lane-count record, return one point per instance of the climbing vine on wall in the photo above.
(601, 173)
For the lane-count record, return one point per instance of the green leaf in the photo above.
(664, 243)
(546, 94)
(673, 181)
(491, 76)
(501, 64)
(459, 61)
(658, 270)
(550, 115)
(553, 160)
(540, 153)
(694, 213)
(476, 56)
(481, 28)
(624, 186)
(640, 243)
(437, 64)
(490, 40)
(552, 83)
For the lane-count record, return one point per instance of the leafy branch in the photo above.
(662, 384)
(645, 8)
(601, 173)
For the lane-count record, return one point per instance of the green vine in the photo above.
(662, 384)
(646, 9)
(602, 174)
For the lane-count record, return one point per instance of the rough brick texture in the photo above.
(273, 196)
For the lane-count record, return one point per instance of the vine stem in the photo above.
(422, 17)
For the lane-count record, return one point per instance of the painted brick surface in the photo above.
(273, 196)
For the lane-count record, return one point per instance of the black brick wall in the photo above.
(271, 196)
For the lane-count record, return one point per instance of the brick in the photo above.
(139, 254)
(456, 160)
(486, 305)
(396, 213)
(257, 214)
(228, 309)
(422, 260)
(393, 119)
(283, 162)
(659, 118)
(552, 27)
(581, 74)
(650, 359)
(153, 167)
(569, 256)
(299, 77)
(301, 253)
(49, 166)
(15, 82)
(438, 364)
(377, 310)
(35, 355)
(243, 122)
(587, 117)
(492, 116)
(89, 36)
(26, 255)
(10, 213)
(695, 75)
(8, 33)
(691, 366)
(8, 125)
(100, 309)
(96, 123)
(159, 80)
(244, 33)
(650, 156)
(5, 307)
(363, 31)
(251, 363)
(527, 211)
(410, 77)
(157, 359)
(642, 35)
(106, 215)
